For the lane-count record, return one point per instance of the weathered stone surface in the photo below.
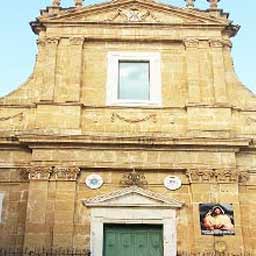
(57, 128)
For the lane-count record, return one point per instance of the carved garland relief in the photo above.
(116, 116)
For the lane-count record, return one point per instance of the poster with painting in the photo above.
(217, 219)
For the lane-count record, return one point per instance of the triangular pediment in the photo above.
(132, 197)
(135, 11)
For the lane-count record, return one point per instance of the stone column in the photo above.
(64, 208)
(192, 70)
(218, 68)
(49, 75)
(36, 228)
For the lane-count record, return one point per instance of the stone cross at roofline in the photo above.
(189, 3)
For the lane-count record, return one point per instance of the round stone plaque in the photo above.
(94, 181)
(172, 182)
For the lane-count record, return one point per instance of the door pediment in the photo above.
(135, 11)
(132, 197)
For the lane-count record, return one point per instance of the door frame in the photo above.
(133, 228)
(126, 215)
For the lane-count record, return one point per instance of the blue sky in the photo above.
(18, 47)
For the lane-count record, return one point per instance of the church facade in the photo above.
(133, 136)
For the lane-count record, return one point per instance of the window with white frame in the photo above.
(1, 205)
(134, 78)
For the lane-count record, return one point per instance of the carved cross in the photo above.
(190, 3)
(213, 4)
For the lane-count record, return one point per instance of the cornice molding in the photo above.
(36, 140)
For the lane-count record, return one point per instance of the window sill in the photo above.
(135, 104)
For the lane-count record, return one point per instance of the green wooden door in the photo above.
(133, 240)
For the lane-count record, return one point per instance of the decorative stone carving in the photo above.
(227, 43)
(19, 116)
(220, 246)
(37, 173)
(78, 3)
(56, 3)
(134, 179)
(243, 177)
(213, 4)
(191, 43)
(65, 173)
(48, 172)
(133, 14)
(216, 43)
(217, 176)
(41, 42)
(250, 121)
(190, 3)
(52, 40)
(76, 40)
(135, 120)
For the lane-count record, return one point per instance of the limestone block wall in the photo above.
(14, 207)
(46, 208)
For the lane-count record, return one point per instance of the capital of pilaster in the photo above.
(46, 173)
(216, 43)
(77, 40)
(53, 41)
(38, 173)
(191, 43)
(41, 42)
(227, 43)
(218, 176)
(64, 173)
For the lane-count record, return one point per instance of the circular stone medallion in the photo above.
(172, 182)
(94, 181)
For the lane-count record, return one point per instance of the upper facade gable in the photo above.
(134, 11)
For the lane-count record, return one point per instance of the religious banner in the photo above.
(217, 219)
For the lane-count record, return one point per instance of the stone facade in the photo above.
(57, 128)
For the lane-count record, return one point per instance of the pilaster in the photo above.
(192, 70)
(65, 195)
(36, 229)
(51, 205)
(219, 186)
(76, 60)
(219, 82)
(49, 75)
